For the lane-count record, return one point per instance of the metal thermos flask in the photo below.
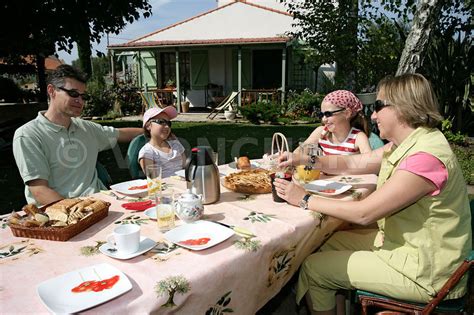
(202, 174)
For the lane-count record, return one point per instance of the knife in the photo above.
(238, 230)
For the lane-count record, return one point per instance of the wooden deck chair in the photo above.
(149, 100)
(223, 105)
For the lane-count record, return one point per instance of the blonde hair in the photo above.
(413, 98)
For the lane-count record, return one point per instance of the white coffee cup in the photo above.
(126, 238)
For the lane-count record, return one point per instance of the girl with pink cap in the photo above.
(344, 129)
(164, 148)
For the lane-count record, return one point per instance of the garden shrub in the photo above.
(123, 98)
(465, 158)
(454, 138)
(99, 102)
(303, 103)
(10, 92)
(261, 111)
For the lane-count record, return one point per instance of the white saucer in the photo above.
(151, 213)
(145, 245)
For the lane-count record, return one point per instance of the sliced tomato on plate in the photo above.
(84, 287)
(138, 187)
(195, 242)
(139, 205)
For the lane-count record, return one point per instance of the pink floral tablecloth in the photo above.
(238, 275)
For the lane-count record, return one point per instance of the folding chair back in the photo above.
(223, 105)
(149, 100)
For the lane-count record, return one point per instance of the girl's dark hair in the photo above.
(146, 132)
(361, 122)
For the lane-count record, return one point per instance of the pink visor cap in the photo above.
(152, 112)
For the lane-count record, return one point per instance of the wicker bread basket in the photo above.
(59, 233)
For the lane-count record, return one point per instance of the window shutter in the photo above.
(199, 69)
(149, 69)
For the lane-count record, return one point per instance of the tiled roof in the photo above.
(240, 21)
(226, 41)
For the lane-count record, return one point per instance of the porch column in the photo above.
(178, 87)
(239, 75)
(140, 79)
(283, 75)
(112, 67)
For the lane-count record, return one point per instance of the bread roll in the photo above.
(243, 163)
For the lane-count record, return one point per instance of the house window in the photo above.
(168, 68)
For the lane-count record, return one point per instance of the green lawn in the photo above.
(228, 139)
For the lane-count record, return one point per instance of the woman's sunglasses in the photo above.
(75, 94)
(161, 121)
(379, 105)
(328, 113)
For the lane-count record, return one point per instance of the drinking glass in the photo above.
(165, 210)
(153, 177)
(307, 172)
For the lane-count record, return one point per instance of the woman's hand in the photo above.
(289, 191)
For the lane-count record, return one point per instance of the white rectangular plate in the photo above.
(180, 173)
(318, 187)
(199, 229)
(123, 188)
(56, 293)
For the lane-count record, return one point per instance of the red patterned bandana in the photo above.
(344, 99)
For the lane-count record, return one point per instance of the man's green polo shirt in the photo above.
(66, 158)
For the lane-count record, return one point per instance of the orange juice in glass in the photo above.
(307, 173)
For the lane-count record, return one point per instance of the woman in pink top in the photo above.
(345, 129)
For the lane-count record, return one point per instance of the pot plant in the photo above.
(230, 113)
(170, 84)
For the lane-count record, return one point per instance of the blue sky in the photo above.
(165, 12)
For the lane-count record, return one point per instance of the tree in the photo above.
(432, 15)
(330, 28)
(417, 41)
(41, 25)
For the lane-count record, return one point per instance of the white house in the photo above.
(239, 46)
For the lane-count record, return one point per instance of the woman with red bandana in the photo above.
(345, 129)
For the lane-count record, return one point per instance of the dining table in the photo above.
(239, 275)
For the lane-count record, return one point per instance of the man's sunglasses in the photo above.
(328, 113)
(75, 94)
(161, 121)
(379, 105)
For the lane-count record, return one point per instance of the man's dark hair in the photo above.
(57, 76)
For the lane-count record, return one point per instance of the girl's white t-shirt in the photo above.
(169, 162)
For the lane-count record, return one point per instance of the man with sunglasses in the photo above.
(56, 153)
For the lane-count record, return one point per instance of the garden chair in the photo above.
(227, 102)
(375, 141)
(149, 100)
(103, 175)
(436, 304)
(132, 156)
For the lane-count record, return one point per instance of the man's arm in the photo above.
(42, 193)
(127, 134)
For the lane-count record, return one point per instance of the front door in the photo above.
(266, 69)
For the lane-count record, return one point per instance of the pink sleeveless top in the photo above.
(347, 147)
